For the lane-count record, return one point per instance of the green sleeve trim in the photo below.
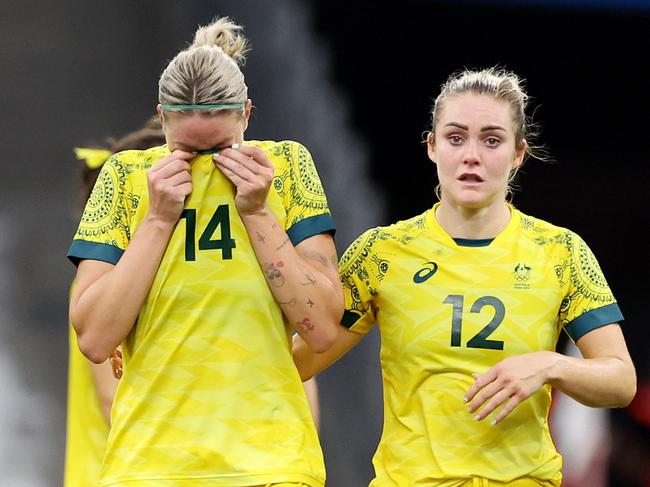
(83, 249)
(314, 225)
(349, 318)
(593, 319)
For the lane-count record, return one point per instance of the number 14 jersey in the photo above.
(210, 394)
(447, 308)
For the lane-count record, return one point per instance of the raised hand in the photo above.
(169, 183)
(251, 171)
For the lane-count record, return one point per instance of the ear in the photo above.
(248, 109)
(520, 154)
(431, 147)
(161, 116)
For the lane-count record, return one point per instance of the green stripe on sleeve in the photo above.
(593, 319)
(314, 225)
(83, 249)
(349, 318)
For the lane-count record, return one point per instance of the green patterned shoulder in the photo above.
(140, 160)
(542, 232)
(575, 264)
(368, 254)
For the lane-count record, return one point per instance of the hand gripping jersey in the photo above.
(448, 308)
(210, 394)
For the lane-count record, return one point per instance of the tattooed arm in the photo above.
(303, 278)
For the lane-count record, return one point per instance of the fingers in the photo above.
(171, 167)
(497, 399)
(246, 161)
(481, 381)
(483, 395)
(177, 155)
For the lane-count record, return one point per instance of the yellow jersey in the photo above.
(86, 429)
(210, 394)
(447, 308)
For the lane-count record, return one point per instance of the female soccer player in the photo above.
(470, 298)
(200, 257)
(91, 387)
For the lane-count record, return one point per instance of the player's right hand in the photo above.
(169, 183)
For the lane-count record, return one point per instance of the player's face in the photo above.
(474, 150)
(205, 133)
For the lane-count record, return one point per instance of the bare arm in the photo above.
(311, 389)
(107, 298)
(310, 363)
(303, 279)
(603, 377)
(105, 386)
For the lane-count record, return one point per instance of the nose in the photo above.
(471, 155)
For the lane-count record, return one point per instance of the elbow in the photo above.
(91, 350)
(627, 388)
(627, 393)
(326, 340)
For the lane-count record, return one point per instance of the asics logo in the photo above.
(425, 273)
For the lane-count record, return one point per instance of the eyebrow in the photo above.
(487, 128)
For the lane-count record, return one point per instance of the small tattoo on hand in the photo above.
(291, 302)
(310, 303)
(260, 237)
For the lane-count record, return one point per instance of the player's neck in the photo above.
(473, 223)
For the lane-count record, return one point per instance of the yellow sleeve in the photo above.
(104, 230)
(588, 302)
(361, 274)
(304, 197)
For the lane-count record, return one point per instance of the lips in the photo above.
(468, 177)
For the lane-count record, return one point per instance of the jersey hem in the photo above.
(83, 249)
(227, 480)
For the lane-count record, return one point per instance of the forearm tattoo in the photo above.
(305, 325)
(273, 274)
(283, 244)
(309, 278)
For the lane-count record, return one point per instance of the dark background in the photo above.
(354, 81)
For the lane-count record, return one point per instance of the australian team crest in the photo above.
(522, 276)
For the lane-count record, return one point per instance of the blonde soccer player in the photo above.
(470, 298)
(201, 258)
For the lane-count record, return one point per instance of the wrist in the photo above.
(257, 213)
(554, 368)
(159, 224)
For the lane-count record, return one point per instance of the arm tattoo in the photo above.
(291, 302)
(273, 274)
(260, 237)
(310, 303)
(310, 279)
(305, 325)
(283, 244)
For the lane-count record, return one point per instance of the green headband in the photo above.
(216, 106)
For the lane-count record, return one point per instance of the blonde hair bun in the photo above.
(225, 34)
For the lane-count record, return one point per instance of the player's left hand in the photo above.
(508, 383)
(251, 171)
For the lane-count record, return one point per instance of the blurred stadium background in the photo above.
(353, 81)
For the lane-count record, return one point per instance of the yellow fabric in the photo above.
(210, 394)
(523, 482)
(94, 158)
(432, 300)
(86, 428)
